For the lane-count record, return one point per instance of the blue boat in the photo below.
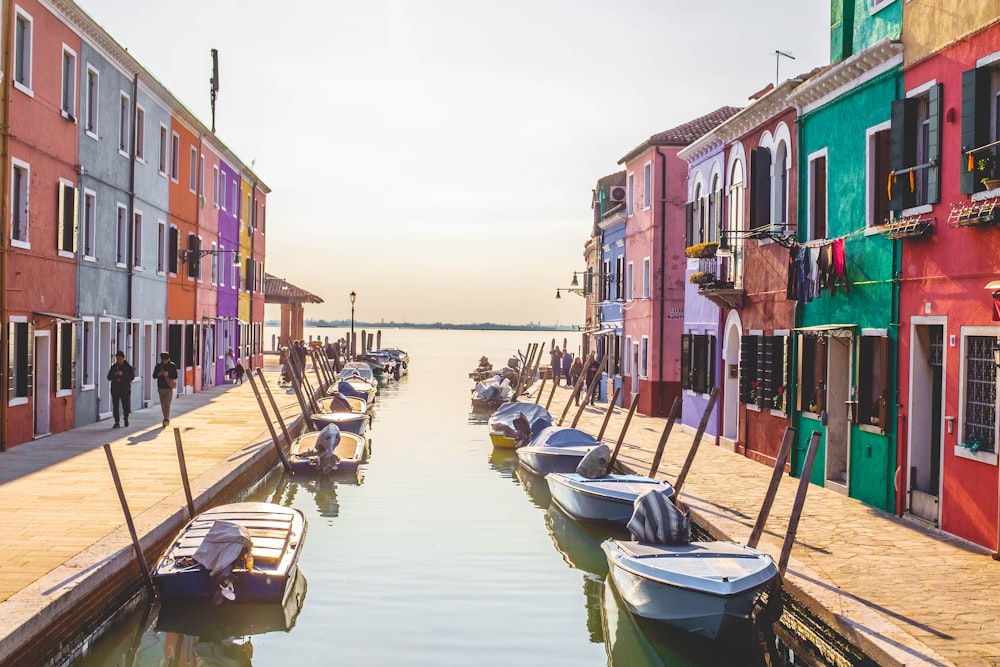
(242, 552)
(607, 498)
(504, 431)
(556, 449)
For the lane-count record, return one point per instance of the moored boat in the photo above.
(504, 423)
(307, 455)
(247, 552)
(607, 498)
(556, 449)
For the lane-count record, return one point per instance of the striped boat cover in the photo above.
(656, 519)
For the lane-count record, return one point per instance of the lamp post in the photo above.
(354, 296)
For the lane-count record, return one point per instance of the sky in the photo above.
(437, 157)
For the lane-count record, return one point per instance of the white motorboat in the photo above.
(556, 449)
(607, 498)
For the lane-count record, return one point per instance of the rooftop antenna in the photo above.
(215, 83)
(777, 61)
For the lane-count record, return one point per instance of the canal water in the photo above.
(439, 552)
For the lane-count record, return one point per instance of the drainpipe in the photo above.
(663, 274)
(130, 223)
(8, 32)
(892, 472)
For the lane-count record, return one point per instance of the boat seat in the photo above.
(269, 535)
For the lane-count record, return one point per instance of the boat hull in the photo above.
(277, 533)
(706, 588)
(544, 460)
(608, 498)
(350, 422)
(352, 450)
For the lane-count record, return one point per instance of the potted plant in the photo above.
(702, 250)
(702, 278)
(986, 166)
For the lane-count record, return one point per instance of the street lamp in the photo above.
(354, 296)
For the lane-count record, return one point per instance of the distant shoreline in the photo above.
(486, 326)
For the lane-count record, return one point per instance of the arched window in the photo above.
(779, 209)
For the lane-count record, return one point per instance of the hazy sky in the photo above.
(437, 156)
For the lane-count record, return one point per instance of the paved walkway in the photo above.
(899, 591)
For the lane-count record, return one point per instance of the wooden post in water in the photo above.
(621, 436)
(297, 388)
(522, 373)
(576, 388)
(697, 441)
(184, 471)
(551, 394)
(534, 370)
(270, 426)
(320, 380)
(128, 520)
(579, 413)
(364, 341)
(378, 339)
(541, 388)
(607, 415)
(274, 405)
(800, 499)
(675, 412)
(306, 387)
(772, 489)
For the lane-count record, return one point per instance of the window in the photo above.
(732, 271)
(65, 357)
(812, 373)
(878, 174)
(215, 263)
(22, 50)
(124, 127)
(140, 133)
(760, 188)
(215, 186)
(645, 278)
(628, 358)
(873, 381)
(764, 371)
(193, 261)
(630, 196)
(620, 277)
(66, 223)
(93, 91)
(698, 362)
(628, 282)
(87, 376)
(779, 183)
(193, 171)
(89, 224)
(980, 125)
(647, 185)
(20, 336)
(135, 350)
(164, 159)
(161, 246)
(222, 272)
(980, 385)
(175, 156)
(644, 357)
(122, 256)
(915, 149)
(68, 103)
(817, 197)
(173, 249)
(19, 180)
(201, 178)
(189, 351)
(137, 239)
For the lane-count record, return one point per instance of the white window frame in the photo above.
(811, 193)
(870, 182)
(193, 171)
(215, 263)
(164, 148)
(629, 268)
(88, 332)
(68, 91)
(122, 224)
(161, 247)
(124, 123)
(140, 133)
(175, 156)
(644, 357)
(627, 361)
(647, 185)
(215, 186)
(89, 225)
(63, 185)
(22, 166)
(12, 363)
(23, 51)
(645, 277)
(201, 178)
(93, 102)
(137, 240)
(989, 458)
(878, 5)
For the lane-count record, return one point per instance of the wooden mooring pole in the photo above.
(697, 441)
(675, 412)
(274, 406)
(607, 415)
(576, 388)
(184, 472)
(621, 436)
(270, 426)
(800, 499)
(128, 520)
(772, 489)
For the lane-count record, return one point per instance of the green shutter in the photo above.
(934, 143)
(748, 366)
(11, 357)
(902, 151)
(685, 361)
(975, 123)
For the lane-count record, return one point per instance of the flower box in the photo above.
(700, 250)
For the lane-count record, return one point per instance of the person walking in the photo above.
(556, 357)
(165, 373)
(230, 365)
(121, 375)
(567, 363)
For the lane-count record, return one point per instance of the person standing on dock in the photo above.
(165, 373)
(556, 356)
(567, 363)
(121, 375)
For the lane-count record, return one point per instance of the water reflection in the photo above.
(478, 415)
(504, 461)
(580, 543)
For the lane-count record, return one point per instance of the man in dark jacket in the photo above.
(121, 375)
(165, 373)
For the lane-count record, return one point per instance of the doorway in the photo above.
(923, 480)
(731, 379)
(104, 357)
(840, 347)
(43, 383)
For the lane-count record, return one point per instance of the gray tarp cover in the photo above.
(594, 464)
(221, 547)
(656, 519)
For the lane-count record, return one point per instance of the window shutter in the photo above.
(689, 224)
(685, 361)
(29, 352)
(975, 123)
(57, 369)
(902, 151)
(934, 143)
(61, 216)
(772, 369)
(748, 366)
(712, 225)
(883, 400)
(174, 249)
(710, 362)
(763, 368)
(11, 359)
(800, 402)
(194, 247)
(72, 356)
(760, 190)
(700, 364)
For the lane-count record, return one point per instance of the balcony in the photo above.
(714, 283)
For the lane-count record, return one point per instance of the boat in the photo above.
(555, 449)
(347, 421)
(504, 423)
(307, 453)
(355, 381)
(607, 498)
(491, 393)
(401, 357)
(705, 588)
(242, 552)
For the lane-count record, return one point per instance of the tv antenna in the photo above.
(777, 61)
(215, 83)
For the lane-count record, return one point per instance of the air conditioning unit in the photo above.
(616, 193)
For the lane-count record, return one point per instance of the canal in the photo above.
(440, 551)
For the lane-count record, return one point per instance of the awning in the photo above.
(832, 330)
(55, 317)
